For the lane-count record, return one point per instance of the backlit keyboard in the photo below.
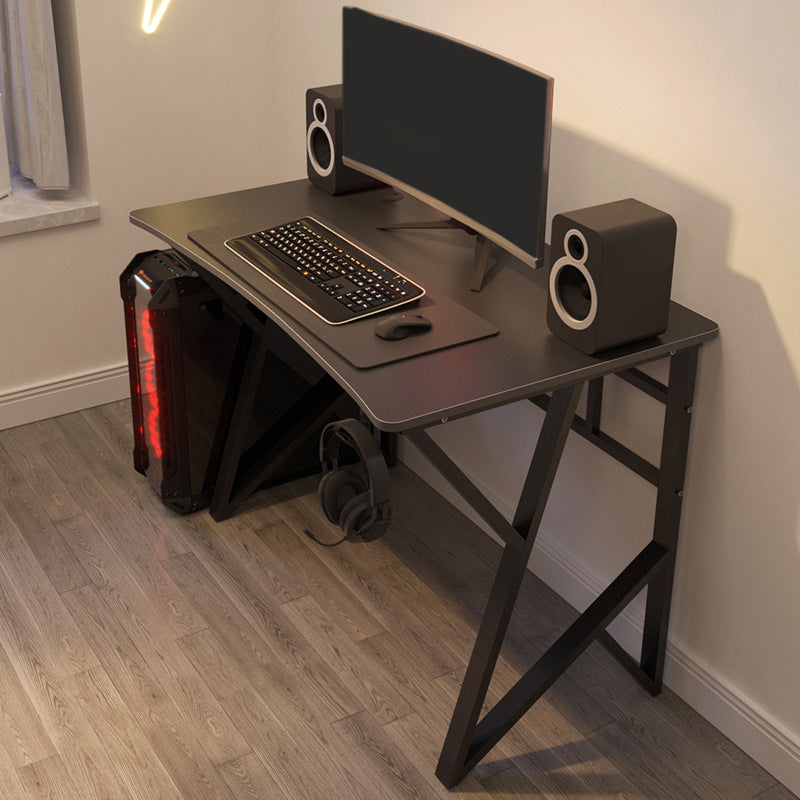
(325, 272)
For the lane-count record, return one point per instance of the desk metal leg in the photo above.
(469, 739)
(242, 468)
(462, 750)
(672, 471)
(677, 397)
(248, 363)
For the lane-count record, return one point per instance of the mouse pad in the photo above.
(451, 323)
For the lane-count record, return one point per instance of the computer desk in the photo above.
(409, 396)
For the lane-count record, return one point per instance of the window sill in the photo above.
(30, 209)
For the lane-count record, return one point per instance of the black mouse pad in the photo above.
(451, 323)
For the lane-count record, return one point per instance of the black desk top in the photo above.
(522, 361)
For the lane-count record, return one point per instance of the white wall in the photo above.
(688, 105)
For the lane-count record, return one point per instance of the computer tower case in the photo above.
(182, 341)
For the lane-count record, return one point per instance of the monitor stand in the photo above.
(480, 264)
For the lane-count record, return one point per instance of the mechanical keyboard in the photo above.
(321, 269)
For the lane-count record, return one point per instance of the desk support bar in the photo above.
(544, 673)
(589, 429)
(642, 381)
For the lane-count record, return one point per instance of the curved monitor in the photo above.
(465, 131)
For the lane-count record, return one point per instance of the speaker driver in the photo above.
(574, 293)
(576, 245)
(319, 143)
(572, 289)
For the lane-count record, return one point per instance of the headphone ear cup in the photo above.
(337, 489)
(356, 516)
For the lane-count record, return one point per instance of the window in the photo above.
(46, 189)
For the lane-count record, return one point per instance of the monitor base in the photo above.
(480, 264)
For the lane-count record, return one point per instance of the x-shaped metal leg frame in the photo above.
(470, 738)
(238, 467)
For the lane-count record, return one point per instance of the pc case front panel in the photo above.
(177, 379)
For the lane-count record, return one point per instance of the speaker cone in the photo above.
(320, 147)
(574, 293)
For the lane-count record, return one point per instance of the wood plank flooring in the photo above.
(149, 656)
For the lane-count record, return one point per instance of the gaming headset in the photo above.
(355, 497)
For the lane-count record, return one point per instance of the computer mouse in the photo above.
(398, 326)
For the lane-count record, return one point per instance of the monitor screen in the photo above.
(466, 131)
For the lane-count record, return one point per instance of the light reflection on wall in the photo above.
(150, 20)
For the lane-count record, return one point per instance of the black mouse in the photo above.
(398, 326)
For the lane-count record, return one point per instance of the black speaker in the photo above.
(354, 496)
(610, 274)
(324, 144)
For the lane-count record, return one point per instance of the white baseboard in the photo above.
(736, 716)
(63, 396)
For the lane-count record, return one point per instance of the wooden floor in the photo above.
(151, 656)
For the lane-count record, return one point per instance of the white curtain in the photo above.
(5, 175)
(32, 93)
